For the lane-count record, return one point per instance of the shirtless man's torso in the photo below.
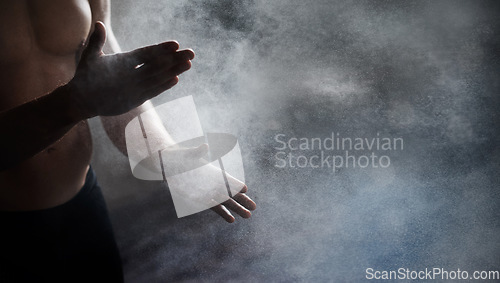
(53, 77)
(39, 43)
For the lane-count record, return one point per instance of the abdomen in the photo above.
(51, 177)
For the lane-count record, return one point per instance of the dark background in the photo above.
(426, 71)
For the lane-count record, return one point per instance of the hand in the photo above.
(240, 203)
(109, 85)
(177, 160)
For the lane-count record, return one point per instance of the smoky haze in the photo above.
(423, 71)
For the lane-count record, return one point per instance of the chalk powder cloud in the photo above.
(423, 71)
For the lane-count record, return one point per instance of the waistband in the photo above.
(89, 185)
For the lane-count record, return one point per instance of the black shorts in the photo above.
(72, 242)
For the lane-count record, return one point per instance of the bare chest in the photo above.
(55, 27)
(39, 42)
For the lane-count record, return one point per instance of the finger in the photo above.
(180, 68)
(244, 189)
(148, 81)
(244, 200)
(96, 41)
(166, 61)
(224, 213)
(170, 45)
(153, 58)
(238, 208)
(154, 73)
(152, 52)
(164, 69)
(188, 54)
(157, 80)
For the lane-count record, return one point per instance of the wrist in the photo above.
(76, 109)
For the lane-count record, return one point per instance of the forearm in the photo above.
(33, 126)
(115, 126)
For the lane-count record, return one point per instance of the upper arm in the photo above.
(101, 11)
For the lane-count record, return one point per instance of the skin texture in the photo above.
(53, 77)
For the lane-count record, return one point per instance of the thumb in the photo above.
(96, 42)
